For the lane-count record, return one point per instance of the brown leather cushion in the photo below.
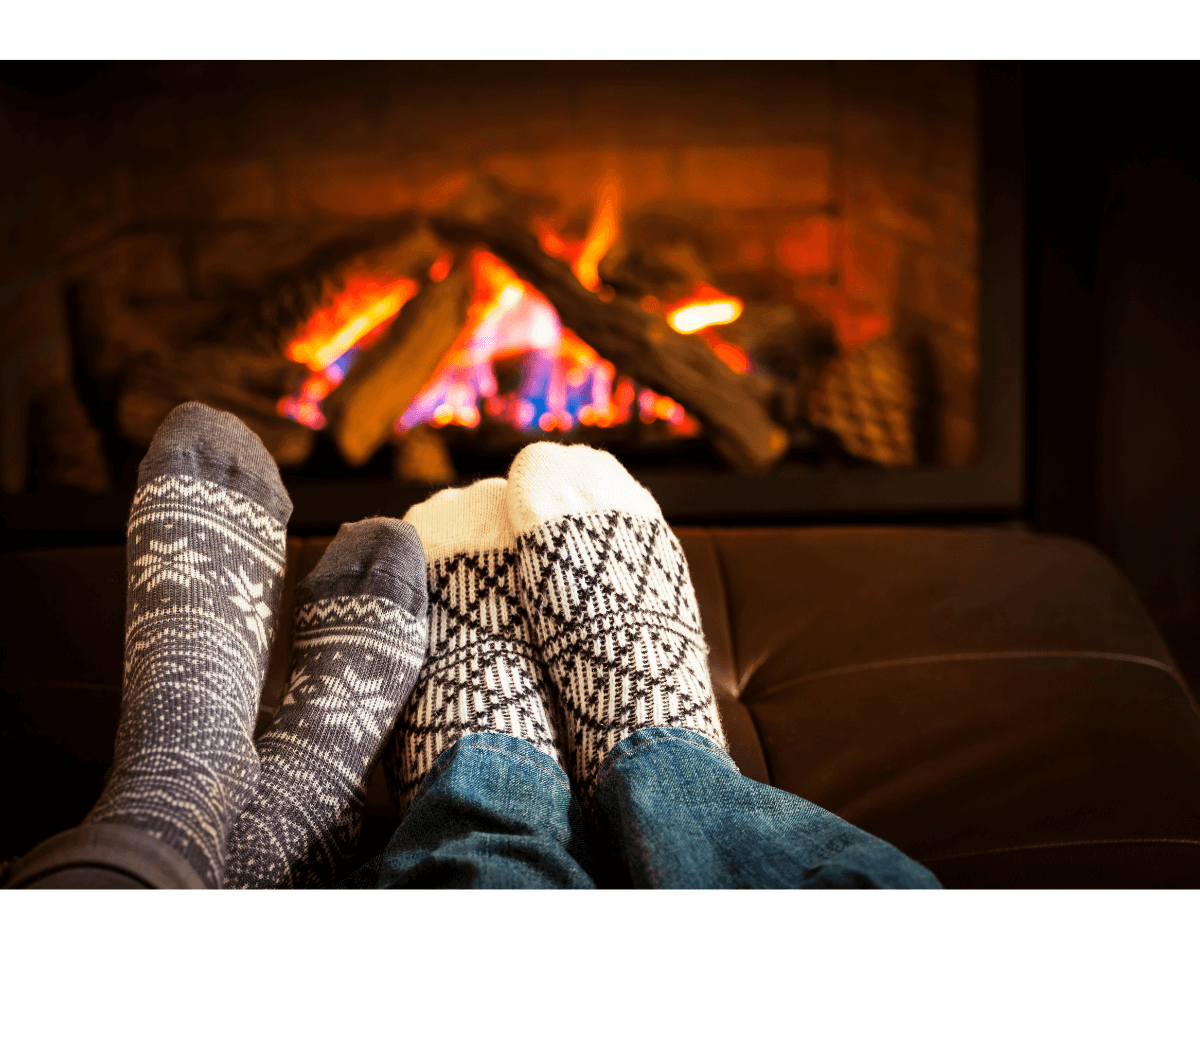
(997, 704)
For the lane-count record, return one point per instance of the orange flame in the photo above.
(603, 232)
(363, 305)
(564, 380)
(706, 307)
(440, 269)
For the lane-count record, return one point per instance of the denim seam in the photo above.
(437, 770)
(700, 743)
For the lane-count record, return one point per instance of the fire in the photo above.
(601, 235)
(707, 308)
(563, 380)
(364, 304)
(332, 337)
(585, 255)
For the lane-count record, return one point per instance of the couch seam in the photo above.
(987, 656)
(1056, 846)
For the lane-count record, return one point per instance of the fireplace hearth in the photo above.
(774, 291)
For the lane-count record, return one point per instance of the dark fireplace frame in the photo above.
(992, 490)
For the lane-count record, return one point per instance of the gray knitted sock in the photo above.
(205, 548)
(360, 638)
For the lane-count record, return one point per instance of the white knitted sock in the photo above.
(480, 674)
(613, 609)
(359, 643)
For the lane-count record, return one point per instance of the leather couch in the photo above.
(995, 703)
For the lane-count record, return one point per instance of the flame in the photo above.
(440, 269)
(563, 381)
(707, 307)
(602, 233)
(363, 305)
(333, 336)
(585, 255)
(732, 355)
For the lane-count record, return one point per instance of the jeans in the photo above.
(672, 811)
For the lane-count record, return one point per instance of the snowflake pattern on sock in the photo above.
(616, 619)
(353, 662)
(206, 570)
(481, 673)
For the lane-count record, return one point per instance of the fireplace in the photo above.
(775, 291)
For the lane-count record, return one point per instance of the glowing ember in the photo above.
(440, 269)
(703, 312)
(732, 355)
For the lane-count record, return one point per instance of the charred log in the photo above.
(637, 342)
(382, 383)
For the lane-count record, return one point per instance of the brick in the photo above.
(34, 355)
(957, 362)
(356, 185)
(868, 266)
(573, 177)
(912, 209)
(939, 291)
(154, 267)
(243, 259)
(804, 248)
(207, 191)
(749, 177)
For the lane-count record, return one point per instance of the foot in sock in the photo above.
(613, 610)
(359, 642)
(205, 561)
(480, 674)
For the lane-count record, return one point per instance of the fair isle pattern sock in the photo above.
(359, 642)
(205, 561)
(481, 674)
(612, 605)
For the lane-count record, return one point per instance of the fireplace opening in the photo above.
(764, 287)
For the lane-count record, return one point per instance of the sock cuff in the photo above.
(372, 557)
(548, 481)
(216, 446)
(472, 519)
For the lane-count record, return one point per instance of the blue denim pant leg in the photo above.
(675, 812)
(493, 812)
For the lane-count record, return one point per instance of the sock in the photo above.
(613, 610)
(480, 674)
(359, 642)
(205, 555)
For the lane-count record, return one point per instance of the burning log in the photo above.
(637, 342)
(382, 382)
(277, 318)
(423, 456)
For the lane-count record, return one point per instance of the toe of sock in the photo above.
(375, 557)
(548, 481)
(207, 443)
(472, 519)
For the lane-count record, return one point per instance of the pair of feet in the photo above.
(554, 607)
